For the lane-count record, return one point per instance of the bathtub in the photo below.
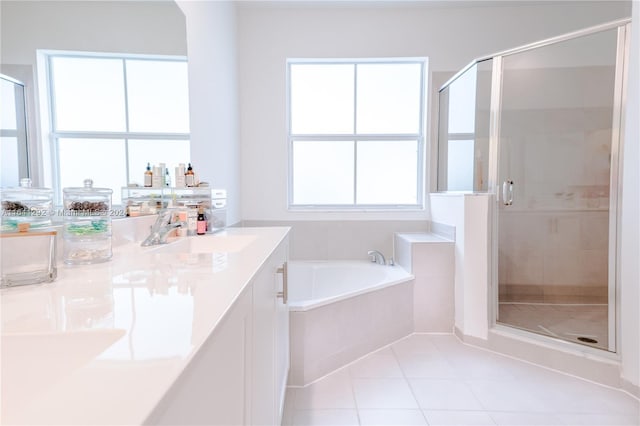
(318, 283)
(341, 311)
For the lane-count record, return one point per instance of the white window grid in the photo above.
(356, 138)
(55, 135)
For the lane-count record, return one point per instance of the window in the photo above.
(461, 114)
(463, 130)
(111, 115)
(356, 133)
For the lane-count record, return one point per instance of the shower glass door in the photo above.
(557, 165)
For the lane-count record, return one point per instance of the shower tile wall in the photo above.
(564, 259)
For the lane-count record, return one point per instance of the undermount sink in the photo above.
(217, 243)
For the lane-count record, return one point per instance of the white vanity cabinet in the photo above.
(214, 387)
(190, 332)
(239, 375)
(270, 340)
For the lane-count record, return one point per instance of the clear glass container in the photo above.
(140, 201)
(87, 224)
(26, 204)
(27, 258)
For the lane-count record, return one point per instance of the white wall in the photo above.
(477, 290)
(469, 213)
(449, 209)
(213, 93)
(154, 27)
(630, 246)
(450, 36)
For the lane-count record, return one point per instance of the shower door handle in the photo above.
(284, 294)
(507, 192)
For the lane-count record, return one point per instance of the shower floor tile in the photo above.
(487, 388)
(565, 321)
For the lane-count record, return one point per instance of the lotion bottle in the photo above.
(180, 176)
(157, 177)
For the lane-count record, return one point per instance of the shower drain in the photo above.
(587, 340)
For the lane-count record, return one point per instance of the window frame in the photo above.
(356, 138)
(55, 135)
(21, 132)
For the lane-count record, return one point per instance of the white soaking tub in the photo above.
(317, 283)
(342, 310)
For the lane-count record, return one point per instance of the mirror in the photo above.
(155, 28)
(14, 161)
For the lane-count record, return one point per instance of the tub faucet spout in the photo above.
(377, 257)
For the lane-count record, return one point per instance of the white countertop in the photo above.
(103, 343)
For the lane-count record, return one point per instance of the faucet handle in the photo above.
(372, 255)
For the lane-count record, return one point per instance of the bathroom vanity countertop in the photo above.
(103, 343)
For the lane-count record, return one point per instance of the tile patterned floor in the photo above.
(565, 321)
(436, 380)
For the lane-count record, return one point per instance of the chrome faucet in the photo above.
(377, 257)
(162, 228)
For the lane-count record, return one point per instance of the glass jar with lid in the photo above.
(26, 204)
(87, 224)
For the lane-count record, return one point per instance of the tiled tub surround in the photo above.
(327, 337)
(430, 258)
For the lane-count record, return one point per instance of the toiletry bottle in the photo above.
(180, 176)
(167, 178)
(163, 174)
(157, 177)
(192, 221)
(189, 176)
(202, 222)
(148, 176)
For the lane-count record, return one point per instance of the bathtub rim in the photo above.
(304, 306)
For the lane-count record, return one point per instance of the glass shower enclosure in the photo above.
(539, 127)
